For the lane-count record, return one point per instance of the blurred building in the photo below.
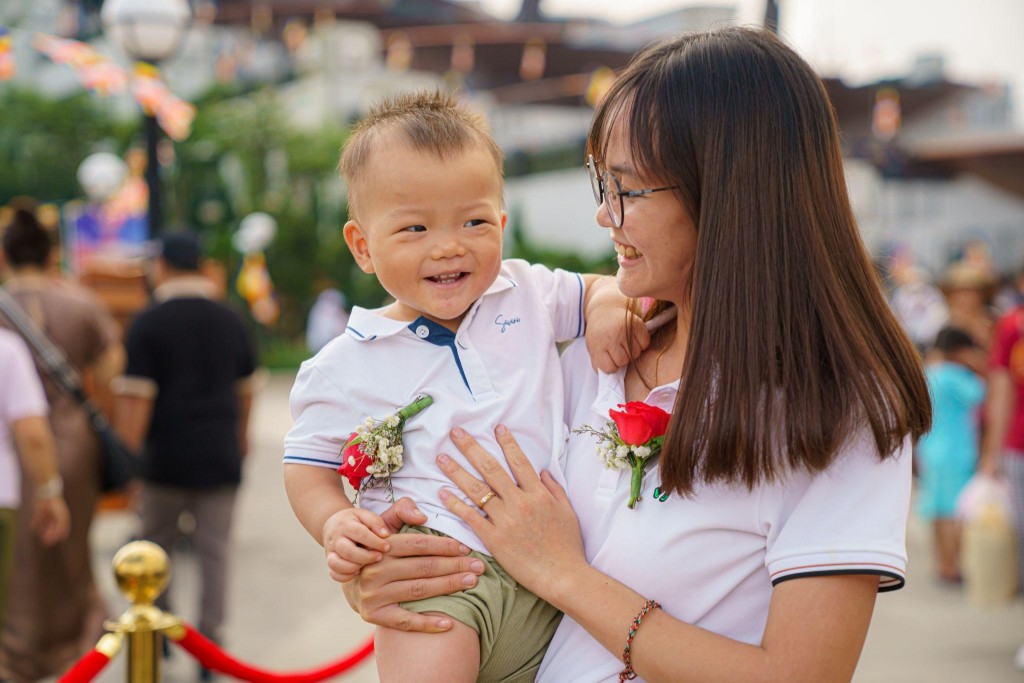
(931, 163)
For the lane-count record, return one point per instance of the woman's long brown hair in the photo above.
(792, 347)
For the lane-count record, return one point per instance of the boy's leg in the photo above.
(449, 657)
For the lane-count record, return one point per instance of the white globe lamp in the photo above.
(150, 30)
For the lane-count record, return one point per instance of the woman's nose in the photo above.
(602, 217)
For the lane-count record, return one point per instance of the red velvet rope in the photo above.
(86, 668)
(212, 657)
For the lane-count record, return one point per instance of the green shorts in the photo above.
(515, 626)
(8, 538)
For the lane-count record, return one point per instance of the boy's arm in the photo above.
(611, 325)
(351, 537)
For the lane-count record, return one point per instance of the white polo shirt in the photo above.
(21, 396)
(712, 560)
(501, 366)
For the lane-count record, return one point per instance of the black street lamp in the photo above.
(148, 31)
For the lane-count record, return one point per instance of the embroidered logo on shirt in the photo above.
(504, 323)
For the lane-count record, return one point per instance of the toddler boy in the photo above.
(474, 332)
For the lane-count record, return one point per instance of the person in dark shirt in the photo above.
(184, 401)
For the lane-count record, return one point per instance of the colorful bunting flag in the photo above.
(7, 67)
(174, 114)
(99, 74)
(96, 71)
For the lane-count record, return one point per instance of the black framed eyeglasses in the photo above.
(600, 182)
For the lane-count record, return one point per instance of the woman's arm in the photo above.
(34, 444)
(415, 566)
(816, 626)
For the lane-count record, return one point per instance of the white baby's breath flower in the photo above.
(392, 421)
(622, 452)
(641, 451)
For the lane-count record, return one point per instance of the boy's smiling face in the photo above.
(430, 228)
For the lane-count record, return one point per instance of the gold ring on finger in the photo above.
(487, 497)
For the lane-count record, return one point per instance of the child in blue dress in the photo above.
(948, 454)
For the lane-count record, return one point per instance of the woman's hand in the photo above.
(530, 527)
(416, 566)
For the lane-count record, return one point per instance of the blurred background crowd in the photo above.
(123, 121)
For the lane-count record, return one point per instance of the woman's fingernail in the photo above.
(445, 495)
(383, 532)
(443, 459)
(444, 623)
(387, 547)
(419, 512)
(477, 566)
(458, 433)
(463, 549)
(469, 580)
(501, 430)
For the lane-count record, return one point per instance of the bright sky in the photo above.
(863, 40)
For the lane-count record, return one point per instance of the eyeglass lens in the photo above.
(607, 190)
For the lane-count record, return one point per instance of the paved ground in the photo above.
(286, 614)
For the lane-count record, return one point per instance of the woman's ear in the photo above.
(357, 243)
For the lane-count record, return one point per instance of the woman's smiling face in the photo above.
(657, 242)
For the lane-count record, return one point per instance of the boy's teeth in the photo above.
(628, 252)
(445, 279)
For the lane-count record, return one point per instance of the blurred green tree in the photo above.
(42, 142)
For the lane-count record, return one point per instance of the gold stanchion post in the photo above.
(142, 571)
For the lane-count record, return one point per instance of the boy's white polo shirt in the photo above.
(712, 560)
(501, 366)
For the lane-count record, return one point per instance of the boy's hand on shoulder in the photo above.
(353, 538)
(613, 330)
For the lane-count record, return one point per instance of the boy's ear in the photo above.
(504, 220)
(358, 245)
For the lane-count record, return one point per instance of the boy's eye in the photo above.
(414, 228)
(475, 222)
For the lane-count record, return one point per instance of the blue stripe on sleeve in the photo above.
(313, 461)
(579, 328)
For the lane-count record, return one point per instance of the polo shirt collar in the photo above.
(368, 325)
(611, 391)
(186, 287)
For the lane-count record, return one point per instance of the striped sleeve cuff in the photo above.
(891, 577)
(315, 459)
(131, 385)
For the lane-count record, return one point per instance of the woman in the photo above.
(55, 613)
(794, 397)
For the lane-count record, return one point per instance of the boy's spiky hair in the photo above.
(429, 121)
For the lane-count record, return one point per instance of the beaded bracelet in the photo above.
(628, 674)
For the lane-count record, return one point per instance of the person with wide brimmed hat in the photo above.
(969, 290)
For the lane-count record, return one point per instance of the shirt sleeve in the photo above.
(562, 293)
(968, 389)
(1007, 334)
(23, 394)
(322, 420)
(141, 359)
(104, 330)
(849, 519)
